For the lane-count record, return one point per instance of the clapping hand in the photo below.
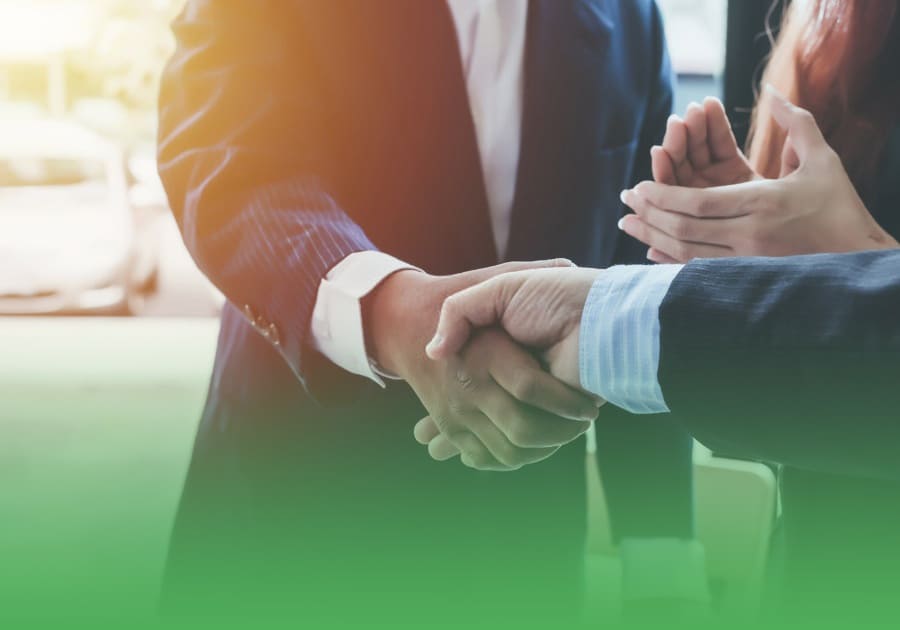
(708, 202)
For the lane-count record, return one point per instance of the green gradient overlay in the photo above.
(95, 434)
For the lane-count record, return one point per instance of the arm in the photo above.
(246, 156)
(250, 154)
(788, 360)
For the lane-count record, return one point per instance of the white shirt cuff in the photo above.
(337, 324)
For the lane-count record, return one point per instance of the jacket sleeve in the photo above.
(247, 159)
(795, 360)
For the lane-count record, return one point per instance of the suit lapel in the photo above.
(566, 48)
(451, 152)
(415, 75)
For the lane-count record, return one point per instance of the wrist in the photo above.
(401, 314)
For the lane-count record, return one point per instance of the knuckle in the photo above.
(450, 305)
(455, 408)
(465, 379)
(705, 207)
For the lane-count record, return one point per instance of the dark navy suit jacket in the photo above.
(295, 133)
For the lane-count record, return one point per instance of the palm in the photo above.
(735, 170)
(701, 150)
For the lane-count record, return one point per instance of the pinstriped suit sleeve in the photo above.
(247, 156)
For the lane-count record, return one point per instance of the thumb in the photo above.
(476, 307)
(803, 132)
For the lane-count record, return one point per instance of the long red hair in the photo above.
(840, 59)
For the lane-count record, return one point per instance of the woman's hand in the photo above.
(701, 150)
(812, 208)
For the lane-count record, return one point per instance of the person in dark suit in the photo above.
(786, 360)
(837, 59)
(337, 169)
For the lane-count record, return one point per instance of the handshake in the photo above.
(540, 310)
(500, 377)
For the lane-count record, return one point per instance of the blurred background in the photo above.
(84, 227)
(108, 330)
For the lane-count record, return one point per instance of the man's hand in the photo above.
(493, 401)
(539, 309)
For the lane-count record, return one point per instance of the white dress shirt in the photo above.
(491, 36)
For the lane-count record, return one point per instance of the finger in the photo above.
(684, 227)
(527, 427)
(474, 444)
(426, 430)
(698, 140)
(800, 125)
(521, 375)
(476, 307)
(501, 453)
(720, 201)
(662, 166)
(675, 144)
(659, 258)
(441, 449)
(723, 145)
(680, 251)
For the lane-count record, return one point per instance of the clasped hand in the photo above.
(491, 399)
(539, 310)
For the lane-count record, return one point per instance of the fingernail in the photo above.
(621, 223)
(624, 196)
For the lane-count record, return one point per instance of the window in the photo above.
(696, 35)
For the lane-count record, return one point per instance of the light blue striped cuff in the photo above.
(619, 343)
